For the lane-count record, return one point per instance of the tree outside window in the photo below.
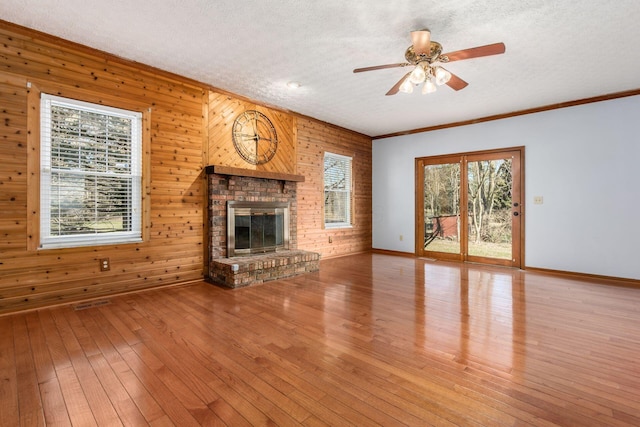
(337, 190)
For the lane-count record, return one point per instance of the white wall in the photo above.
(582, 160)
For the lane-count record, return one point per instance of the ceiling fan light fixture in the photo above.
(429, 87)
(423, 54)
(406, 86)
(442, 76)
(418, 74)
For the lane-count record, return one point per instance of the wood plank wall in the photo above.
(185, 119)
(173, 251)
(223, 110)
(314, 139)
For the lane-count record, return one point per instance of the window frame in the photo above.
(48, 241)
(348, 221)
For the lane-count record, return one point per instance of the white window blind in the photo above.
(337, 190)
(91, 174)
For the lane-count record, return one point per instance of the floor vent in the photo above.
(428, 259)
(90, 304)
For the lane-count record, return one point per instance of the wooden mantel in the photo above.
(227, 170)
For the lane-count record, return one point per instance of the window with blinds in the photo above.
(90, 174)
(337, 190)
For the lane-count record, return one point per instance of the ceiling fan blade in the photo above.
(396, 87)
(456, 83)
(380, 67)
(476, 52)
(421, 41)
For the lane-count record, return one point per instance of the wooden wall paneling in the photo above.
(172, 251)
(223, 110)
(44, 61)
(206, 255)
(146, 175)
(314, 138)
(13, 176)
(285, 158)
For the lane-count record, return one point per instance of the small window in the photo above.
(337, 190)
(90, 174)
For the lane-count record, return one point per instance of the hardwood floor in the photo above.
(371, 339)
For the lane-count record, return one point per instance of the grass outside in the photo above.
(104, 226)
(484, 249)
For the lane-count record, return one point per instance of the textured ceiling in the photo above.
(557, 51)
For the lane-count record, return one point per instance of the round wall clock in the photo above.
(255, 137)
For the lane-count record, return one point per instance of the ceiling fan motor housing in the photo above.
(435, 49)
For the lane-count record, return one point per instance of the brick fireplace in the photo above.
(239, 185)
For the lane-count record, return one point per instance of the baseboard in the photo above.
(595, 278)
(396, 253)
(326, 257)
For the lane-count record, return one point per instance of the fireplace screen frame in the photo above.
(257, 210)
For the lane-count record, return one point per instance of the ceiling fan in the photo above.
(426, 55)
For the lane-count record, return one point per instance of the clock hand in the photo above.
(254, 123)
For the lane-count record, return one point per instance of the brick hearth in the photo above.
(246, 270)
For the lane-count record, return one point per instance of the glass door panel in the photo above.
(489, 208)
(442, 208)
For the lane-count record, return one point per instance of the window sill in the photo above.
(337, 226)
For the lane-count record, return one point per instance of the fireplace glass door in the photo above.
(259, 231)
(257, 227)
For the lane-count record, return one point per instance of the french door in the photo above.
(469, 207)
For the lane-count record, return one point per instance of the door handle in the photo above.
(516, 213)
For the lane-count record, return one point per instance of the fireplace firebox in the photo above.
(257, 227)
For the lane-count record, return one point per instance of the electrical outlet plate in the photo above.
(105, 264)
(537, 200)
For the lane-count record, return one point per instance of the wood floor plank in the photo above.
(382, 367)
(338, 375)
(75, 400)
(96, 397)
(87, 333)
(283, 377)
(30, 405)
(160, 339)
(167, 389)
(368, 340)
(280, 407)
(122, 402)
(337, 404)
(8, 376)
(165, 397)
(110, 343)
(43, 363)
(55, 410)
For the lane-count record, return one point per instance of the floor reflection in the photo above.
(461, 311)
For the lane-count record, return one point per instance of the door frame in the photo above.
(518, 249)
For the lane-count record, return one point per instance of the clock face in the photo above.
(255, 137)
